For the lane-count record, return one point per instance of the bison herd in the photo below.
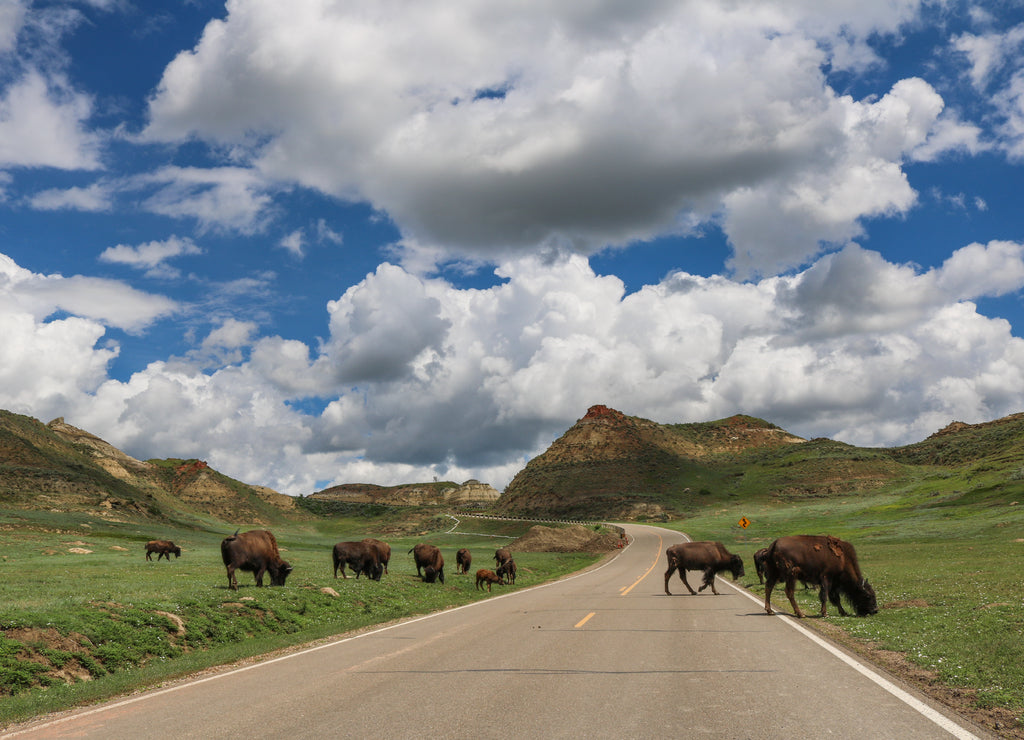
(822, 560)
(256, 552)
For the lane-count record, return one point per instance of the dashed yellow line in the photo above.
(584, 620)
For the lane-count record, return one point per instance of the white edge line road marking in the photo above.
(289, 656)
(940, 719)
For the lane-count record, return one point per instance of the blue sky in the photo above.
(316, 243)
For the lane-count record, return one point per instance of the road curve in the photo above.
(604, 653)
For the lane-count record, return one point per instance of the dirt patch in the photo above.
(574, 538)
(178, 622)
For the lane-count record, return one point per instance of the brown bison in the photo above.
(383, 551)
(428, 559)
(163, 549)
(507, 570)
(759, 557)
(710, 557)
(828, 561)
(463, 559)
(501, 555)
(361, 557)
(255, 551)
(487, 576)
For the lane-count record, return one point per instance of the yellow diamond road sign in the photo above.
(744, 522)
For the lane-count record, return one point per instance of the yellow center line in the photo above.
(657, 555)
(584, 620)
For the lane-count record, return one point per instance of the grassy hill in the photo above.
(58, 468)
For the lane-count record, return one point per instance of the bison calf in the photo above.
(487, 576)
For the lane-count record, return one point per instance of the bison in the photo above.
(428, 559)
(463, 559)
(361, 557)
(710, 557)
(759, 557)
(487, 576)
(255, 551)
(501, 555)
(163, 549)
(507, 570)
(828, 561)
(383, 551)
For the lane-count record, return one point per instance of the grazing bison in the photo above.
(163, 549)
(487, 576)
(462, 561)
(255, 551)
(828, 561)
(501, 555)
(429, 559)
(710, 557)
(507, 570)
(361, 557)
(383, 552)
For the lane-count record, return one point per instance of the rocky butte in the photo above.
(612, 463)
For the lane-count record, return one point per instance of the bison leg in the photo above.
(791, 595)
(709, 580)
(259, 576)
(769, 584)
(682, 577)
(149, 555)
(668, 574)
(232, 581)
(836, 598)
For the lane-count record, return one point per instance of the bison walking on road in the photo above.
(489, 577)
(163, 549)
(361, 557)
(828, 561)
(710, 557)
(254, 551)
(463, 559)
(429, 562)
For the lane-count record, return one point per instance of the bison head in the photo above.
(177, 552)
(278, 573)
(864, 600)
(736, 566)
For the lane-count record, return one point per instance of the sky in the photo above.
(324, 242)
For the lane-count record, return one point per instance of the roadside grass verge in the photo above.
(86, 617)
(946, 567)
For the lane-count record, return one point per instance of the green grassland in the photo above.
(82, 626)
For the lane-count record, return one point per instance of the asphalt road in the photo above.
(601, 654)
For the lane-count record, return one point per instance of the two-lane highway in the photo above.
(602, 654)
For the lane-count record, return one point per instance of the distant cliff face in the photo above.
(612, 463)
(470, 493)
